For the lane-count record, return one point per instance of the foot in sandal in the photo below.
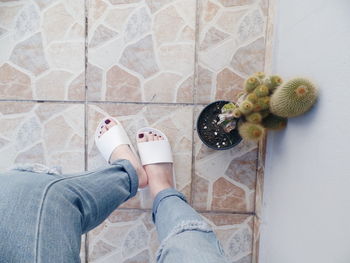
(155, 154)
(116, 135)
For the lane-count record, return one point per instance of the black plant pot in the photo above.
(212, 134)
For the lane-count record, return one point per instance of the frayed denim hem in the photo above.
(182, 227)
(37, 168)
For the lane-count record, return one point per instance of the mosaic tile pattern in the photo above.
(141, 50)
(42, 49)
(50, 134)
(174, 121)
(224, 180)
(130, 236)
(231, 46)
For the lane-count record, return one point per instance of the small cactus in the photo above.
(261, 91)
(260, 75)
(251, 131)
(262, 104)
(229, 107)
(251, 83)
(293, 98)
(237, 113)
(246, 107)
(273, 82)
(254, 117)
(252, 98)
(273, 122)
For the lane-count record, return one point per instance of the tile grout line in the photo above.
(194, 99)
(199, 211)
(86, 13)
(105, 102)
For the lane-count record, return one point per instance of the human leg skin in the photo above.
(43, 216)
(184, 235)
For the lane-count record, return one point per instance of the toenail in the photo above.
(150, 132)
(155, 134)
(141, 135)
(107, 121)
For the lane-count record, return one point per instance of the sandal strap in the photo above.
(112, 138)
(155, 152)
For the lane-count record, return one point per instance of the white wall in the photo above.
(306, 209)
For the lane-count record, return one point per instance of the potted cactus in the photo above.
(265, 104)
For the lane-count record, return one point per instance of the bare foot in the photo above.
(124, 152)
(160, 176)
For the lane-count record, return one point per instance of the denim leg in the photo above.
(184, 235)
(43, 216)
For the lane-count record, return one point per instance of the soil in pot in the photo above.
(212, 134)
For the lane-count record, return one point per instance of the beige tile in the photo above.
(175, 121)
(230, 34)
(42, 39)
(148, 42)
(224, 180)
(130, 236)
(48, 133)
(126, 236)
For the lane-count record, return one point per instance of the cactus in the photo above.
(262, 104)
(228, 107)
(251, 83)
(273, 122)
(293, 98)
(252, 98)
(260, 75)
(237, 113)
(246, 107)
(273, 82)
(251, 131)
(261, 91)
(254, 117)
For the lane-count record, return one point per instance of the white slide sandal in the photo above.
(112, 138)
(153, 152)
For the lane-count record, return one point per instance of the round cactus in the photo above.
(251, 131)
(273, 82)
(261, 91)
(273, 122)
(228, 107)
(251, 83)
(254, 117)
(260, 75)
(252, 98)
(237, 113)
(262, 104)
(293, 98)
(246, 107)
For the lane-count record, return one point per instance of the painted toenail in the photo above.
(107, 121)
(155, 134)
(141, 135)
(150, 132)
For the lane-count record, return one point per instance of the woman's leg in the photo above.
(184, 235)
(43, 216)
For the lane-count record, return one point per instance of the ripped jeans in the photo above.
(44, 215)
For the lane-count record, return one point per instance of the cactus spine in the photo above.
(294, 98)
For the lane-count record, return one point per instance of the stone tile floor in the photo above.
(66, 64)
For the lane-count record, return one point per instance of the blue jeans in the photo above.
(42, 216)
